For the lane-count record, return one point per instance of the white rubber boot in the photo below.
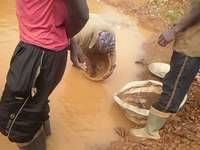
(155, 122)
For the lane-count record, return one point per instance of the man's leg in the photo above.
(37, 143)
(175, 86)
(49, 77)
(177, 82)
(46, 85)
(21, 113)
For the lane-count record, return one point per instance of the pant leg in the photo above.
(177, 82)
(19, 82)
(53, 67)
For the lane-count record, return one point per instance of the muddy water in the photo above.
(83, 114)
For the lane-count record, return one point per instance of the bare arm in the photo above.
(76, 54)
(192, 18)
(78, 15)
(78, 58)
(189, 20)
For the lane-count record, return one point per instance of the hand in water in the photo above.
(77, 56)
(91, 69)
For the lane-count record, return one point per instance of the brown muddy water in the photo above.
(83, 114)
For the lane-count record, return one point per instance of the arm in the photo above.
(78, 15)
(189, 20)
(76, 54)
(192, 18)
(78, 58)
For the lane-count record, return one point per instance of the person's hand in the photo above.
(167, 37)
(77, 56)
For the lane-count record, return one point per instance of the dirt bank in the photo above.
(155, 16)
(152, 14)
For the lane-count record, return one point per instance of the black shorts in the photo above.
(34, 73)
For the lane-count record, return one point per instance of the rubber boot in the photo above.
(47, 128)
(38, 142)
(155, 122)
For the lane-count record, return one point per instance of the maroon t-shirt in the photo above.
(41, 23)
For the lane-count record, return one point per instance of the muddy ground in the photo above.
(182, 132)
(86, 121)
(155, 16)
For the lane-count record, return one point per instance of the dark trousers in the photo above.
(177, 82)
(34, 73)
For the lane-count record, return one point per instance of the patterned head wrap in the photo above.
(105, 42)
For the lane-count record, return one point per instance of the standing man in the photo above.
(185, 64)
(36, 68)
